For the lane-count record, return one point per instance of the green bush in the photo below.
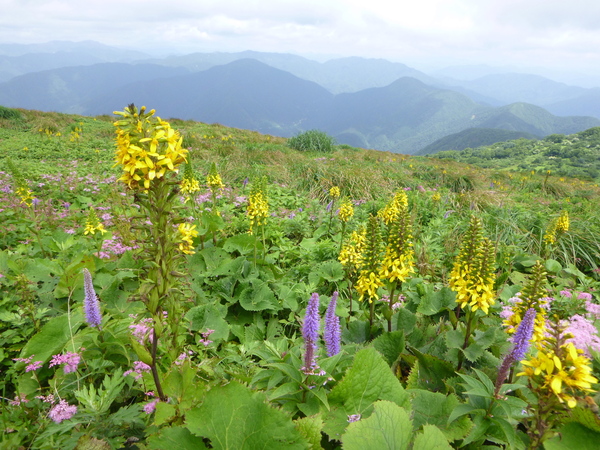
(9, 114)
(312, 141)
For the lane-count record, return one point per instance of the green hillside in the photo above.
(166, 284)
(473, 138)
(575, 155)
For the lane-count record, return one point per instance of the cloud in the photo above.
(501, 31)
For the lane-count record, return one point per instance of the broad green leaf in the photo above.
(553, 266)
(434, 408)
(390, 345)
(431, 439)
(437, 301)
(310, 429)
(234, 418)
(329, 271)
(573, 436)
(209, 316)
(51, 339)
(389, 427)
(406, 320)
(368, 380)
(432, 371)
(258, 297)
(586, 417)
(357, 332)
(175, 438)
(244, 244)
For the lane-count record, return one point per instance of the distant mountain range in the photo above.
(369, 103)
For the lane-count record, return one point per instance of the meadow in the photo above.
(174, 284)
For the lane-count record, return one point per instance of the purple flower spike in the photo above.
(523, 336)
(521, 341)
(332, 334)
(91, 307)
(310, 332)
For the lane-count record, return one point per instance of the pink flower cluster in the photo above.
(70, 361)
(139, 368)
(62, 411)
(141, 330)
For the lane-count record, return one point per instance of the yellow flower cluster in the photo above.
(558, 226)
(398, 261)
(436, 197)
(93, 224)
(351, 253)
(258, 209)
(565, 372)
(367, 284)
(562, 223)
(369, 278)
(472, 276)
(187, 233)
(147, 147)
(390, 211)
(214, 181)
(26, 195)
(346, 211)
(189, 186)
(334, 192)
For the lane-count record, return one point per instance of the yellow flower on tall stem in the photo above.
(472, 278)
(369, 280)
(149, 152)
(398, 260)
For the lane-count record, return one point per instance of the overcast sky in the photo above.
(560, 34)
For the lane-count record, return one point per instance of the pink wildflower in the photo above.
(62, 411)
(70, 360)
(19, 399)
(584, 334)
(150, 407)
(139, 368)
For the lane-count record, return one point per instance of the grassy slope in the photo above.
(516, 207)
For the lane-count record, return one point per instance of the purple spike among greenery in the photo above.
(332, 332)
(521, 341)
(91, 307)
(310, 332)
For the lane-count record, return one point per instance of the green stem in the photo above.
(461, 355)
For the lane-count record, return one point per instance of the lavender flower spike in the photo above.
(332, 333)
(91, 307)
(310, 333)
(521, 341)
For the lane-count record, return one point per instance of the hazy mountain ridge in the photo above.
(403, 115)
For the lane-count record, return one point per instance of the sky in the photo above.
(425, 34)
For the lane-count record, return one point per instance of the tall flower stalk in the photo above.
(351, 257)
(369, 280)
(91, 306)
(332, 333)
(149, 153)
(310, 333)
(258, 210)
(398, 260)
(472, 277)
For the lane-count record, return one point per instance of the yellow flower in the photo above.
(334, 192)
(93, 224)
(564, 373)
(214, 181)
(368, 283)
(346, 211)
(147, 147)
(187, 234)
(351, 253)
(258, 208)
(26, 195)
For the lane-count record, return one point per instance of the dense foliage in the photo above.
(170, 284)
(576, 155)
